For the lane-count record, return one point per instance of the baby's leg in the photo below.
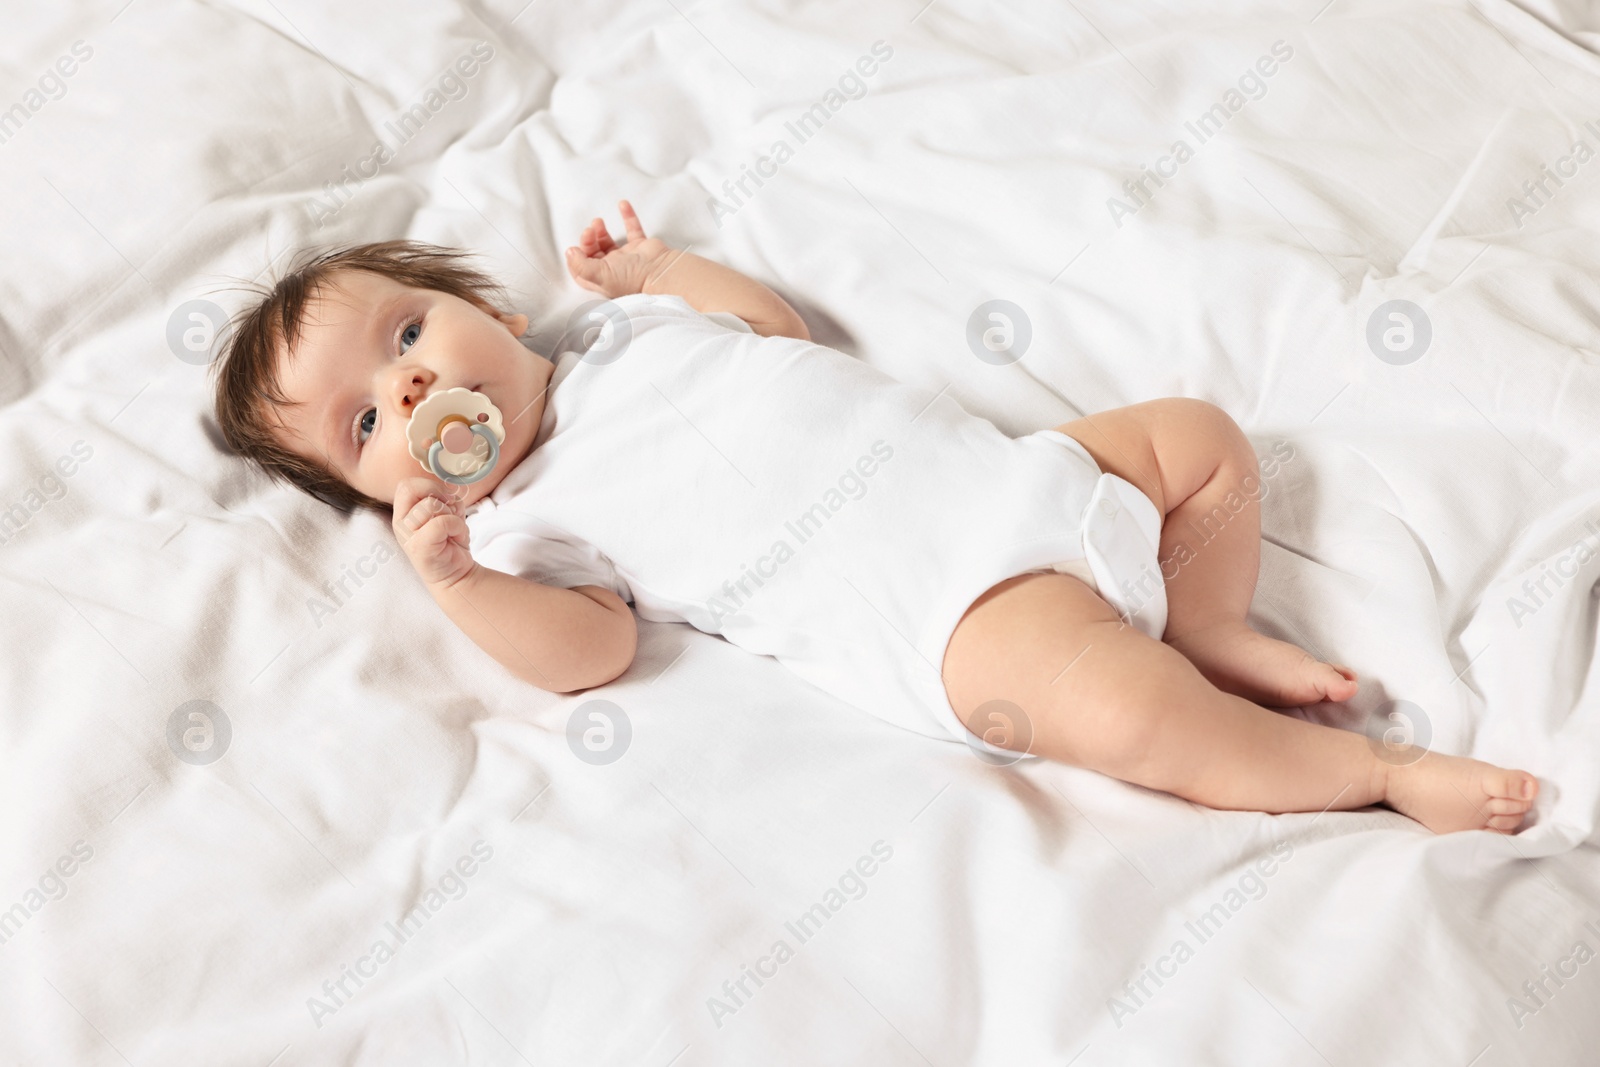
(1100, 694)
(1198, 468)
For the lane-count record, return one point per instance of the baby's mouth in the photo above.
(454, 436)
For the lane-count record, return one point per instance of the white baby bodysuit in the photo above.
(802, 504)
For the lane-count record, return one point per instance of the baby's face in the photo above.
(372, 349)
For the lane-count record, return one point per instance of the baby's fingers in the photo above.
(631, 221)
(588, 241)
(584, 271)
(426, 509)
(407, 492)
(602, 236)
(595, 240)
(441, 528)
(430, 548)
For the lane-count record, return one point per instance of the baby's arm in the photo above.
(709, 286)
(560, 640)
(649, 265)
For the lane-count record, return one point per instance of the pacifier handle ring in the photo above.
(482, 472)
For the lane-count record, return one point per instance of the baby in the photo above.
(1078, 593)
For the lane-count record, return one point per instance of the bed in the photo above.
(263, 806)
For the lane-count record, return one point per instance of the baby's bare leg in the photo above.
(1100, 694)
(1198, 468)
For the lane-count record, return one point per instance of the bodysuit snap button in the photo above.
(1108, 508)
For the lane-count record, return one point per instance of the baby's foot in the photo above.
(1448, 793)
(1237, 660)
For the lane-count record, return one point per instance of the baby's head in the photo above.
(317, 382)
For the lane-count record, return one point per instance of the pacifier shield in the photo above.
(448, 418)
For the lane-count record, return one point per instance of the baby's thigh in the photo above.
(1078, 676)
(1120, 442)
(1168, 447)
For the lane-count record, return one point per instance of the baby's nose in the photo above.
(414, 394)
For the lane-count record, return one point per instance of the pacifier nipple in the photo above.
(456, 435)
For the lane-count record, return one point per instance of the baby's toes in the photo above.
(1504, 823)
(1338, 683)
(1506, 806)
(1512, 785)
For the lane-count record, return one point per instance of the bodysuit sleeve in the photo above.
(548, 555)
(674, 304)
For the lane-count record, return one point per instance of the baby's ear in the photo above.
(517, 324)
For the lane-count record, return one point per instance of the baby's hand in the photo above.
(601, 266)
(431, 526)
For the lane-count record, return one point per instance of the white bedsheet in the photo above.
(371, 748)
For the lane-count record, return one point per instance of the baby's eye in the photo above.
(365, 425)
(409, 335)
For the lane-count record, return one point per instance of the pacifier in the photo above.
(456, 435)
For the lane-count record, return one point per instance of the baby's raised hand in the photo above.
(602, 266)
(430, 524)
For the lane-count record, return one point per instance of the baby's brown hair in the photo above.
(262, 335)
